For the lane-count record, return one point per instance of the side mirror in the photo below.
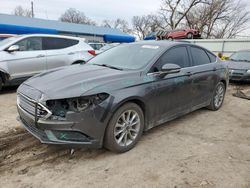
(13, 48)
(169, 69)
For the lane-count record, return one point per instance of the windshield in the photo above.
(7, 40)
(106, 47)
(130, 56)
(241, 56)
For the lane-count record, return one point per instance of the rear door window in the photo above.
(177, 55)
(200, 57)
(50, 43)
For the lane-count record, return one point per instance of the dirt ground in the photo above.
(202, 149)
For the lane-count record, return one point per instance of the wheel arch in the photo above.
(4, 76)
(137, 100)
(224, 82)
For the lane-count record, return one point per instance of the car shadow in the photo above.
(8, 89)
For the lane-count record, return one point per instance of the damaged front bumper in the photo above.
(78, 129)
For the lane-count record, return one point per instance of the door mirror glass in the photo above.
(170, 68)
(13, 48)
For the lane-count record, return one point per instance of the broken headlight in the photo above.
(60, 107)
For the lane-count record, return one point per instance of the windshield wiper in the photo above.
(109, 66)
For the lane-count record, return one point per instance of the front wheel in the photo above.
(218, 97)
(125, 128)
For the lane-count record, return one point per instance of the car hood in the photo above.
(238, 65)
(79, 80)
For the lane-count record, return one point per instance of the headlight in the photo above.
(248, 71)
(60, 107)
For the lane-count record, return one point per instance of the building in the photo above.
(11, 24)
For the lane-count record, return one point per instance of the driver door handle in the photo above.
(41, 55)
(189, 73)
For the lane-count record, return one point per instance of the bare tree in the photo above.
(75, 16)
(20, 11)
(219, 18)
(143, 25)
(173, 12)
(117, 24)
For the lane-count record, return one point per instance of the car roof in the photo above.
(163, 43)
(49, 35)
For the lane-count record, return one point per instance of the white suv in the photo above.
(26, 55)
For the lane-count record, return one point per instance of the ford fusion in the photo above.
(116, 96)
(239, 66)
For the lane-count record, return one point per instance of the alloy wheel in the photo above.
(127, 128)
(219, 95)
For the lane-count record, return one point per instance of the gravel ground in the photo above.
(201, 149)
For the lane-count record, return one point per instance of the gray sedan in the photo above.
(119, 94)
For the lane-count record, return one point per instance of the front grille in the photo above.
(33, 129)
(31, 107)
(237, 74)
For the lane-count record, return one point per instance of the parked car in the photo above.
(179, 34)
(106, 47)
(239, 66)
(119, 94)
(96, 45)
(5, 36)
(26, 55)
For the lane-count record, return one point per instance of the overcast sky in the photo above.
(96, 9)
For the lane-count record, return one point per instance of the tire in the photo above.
(1, 83)
(190, 36)
(170, 38)
(118, 130)
(218, 97)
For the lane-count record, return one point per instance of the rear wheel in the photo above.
(125, 128)
(170, 38)
(218, 97)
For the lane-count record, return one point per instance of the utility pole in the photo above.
(32, 9)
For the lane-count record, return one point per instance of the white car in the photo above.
(26, 55)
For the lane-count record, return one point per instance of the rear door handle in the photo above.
(71, 53)
(41, 55)
(189, 73)
(214, 69)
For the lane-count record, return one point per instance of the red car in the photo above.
(5, 36)
(179, 34)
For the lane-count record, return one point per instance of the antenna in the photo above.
(32, 9)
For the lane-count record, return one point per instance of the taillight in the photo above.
(92, 52)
